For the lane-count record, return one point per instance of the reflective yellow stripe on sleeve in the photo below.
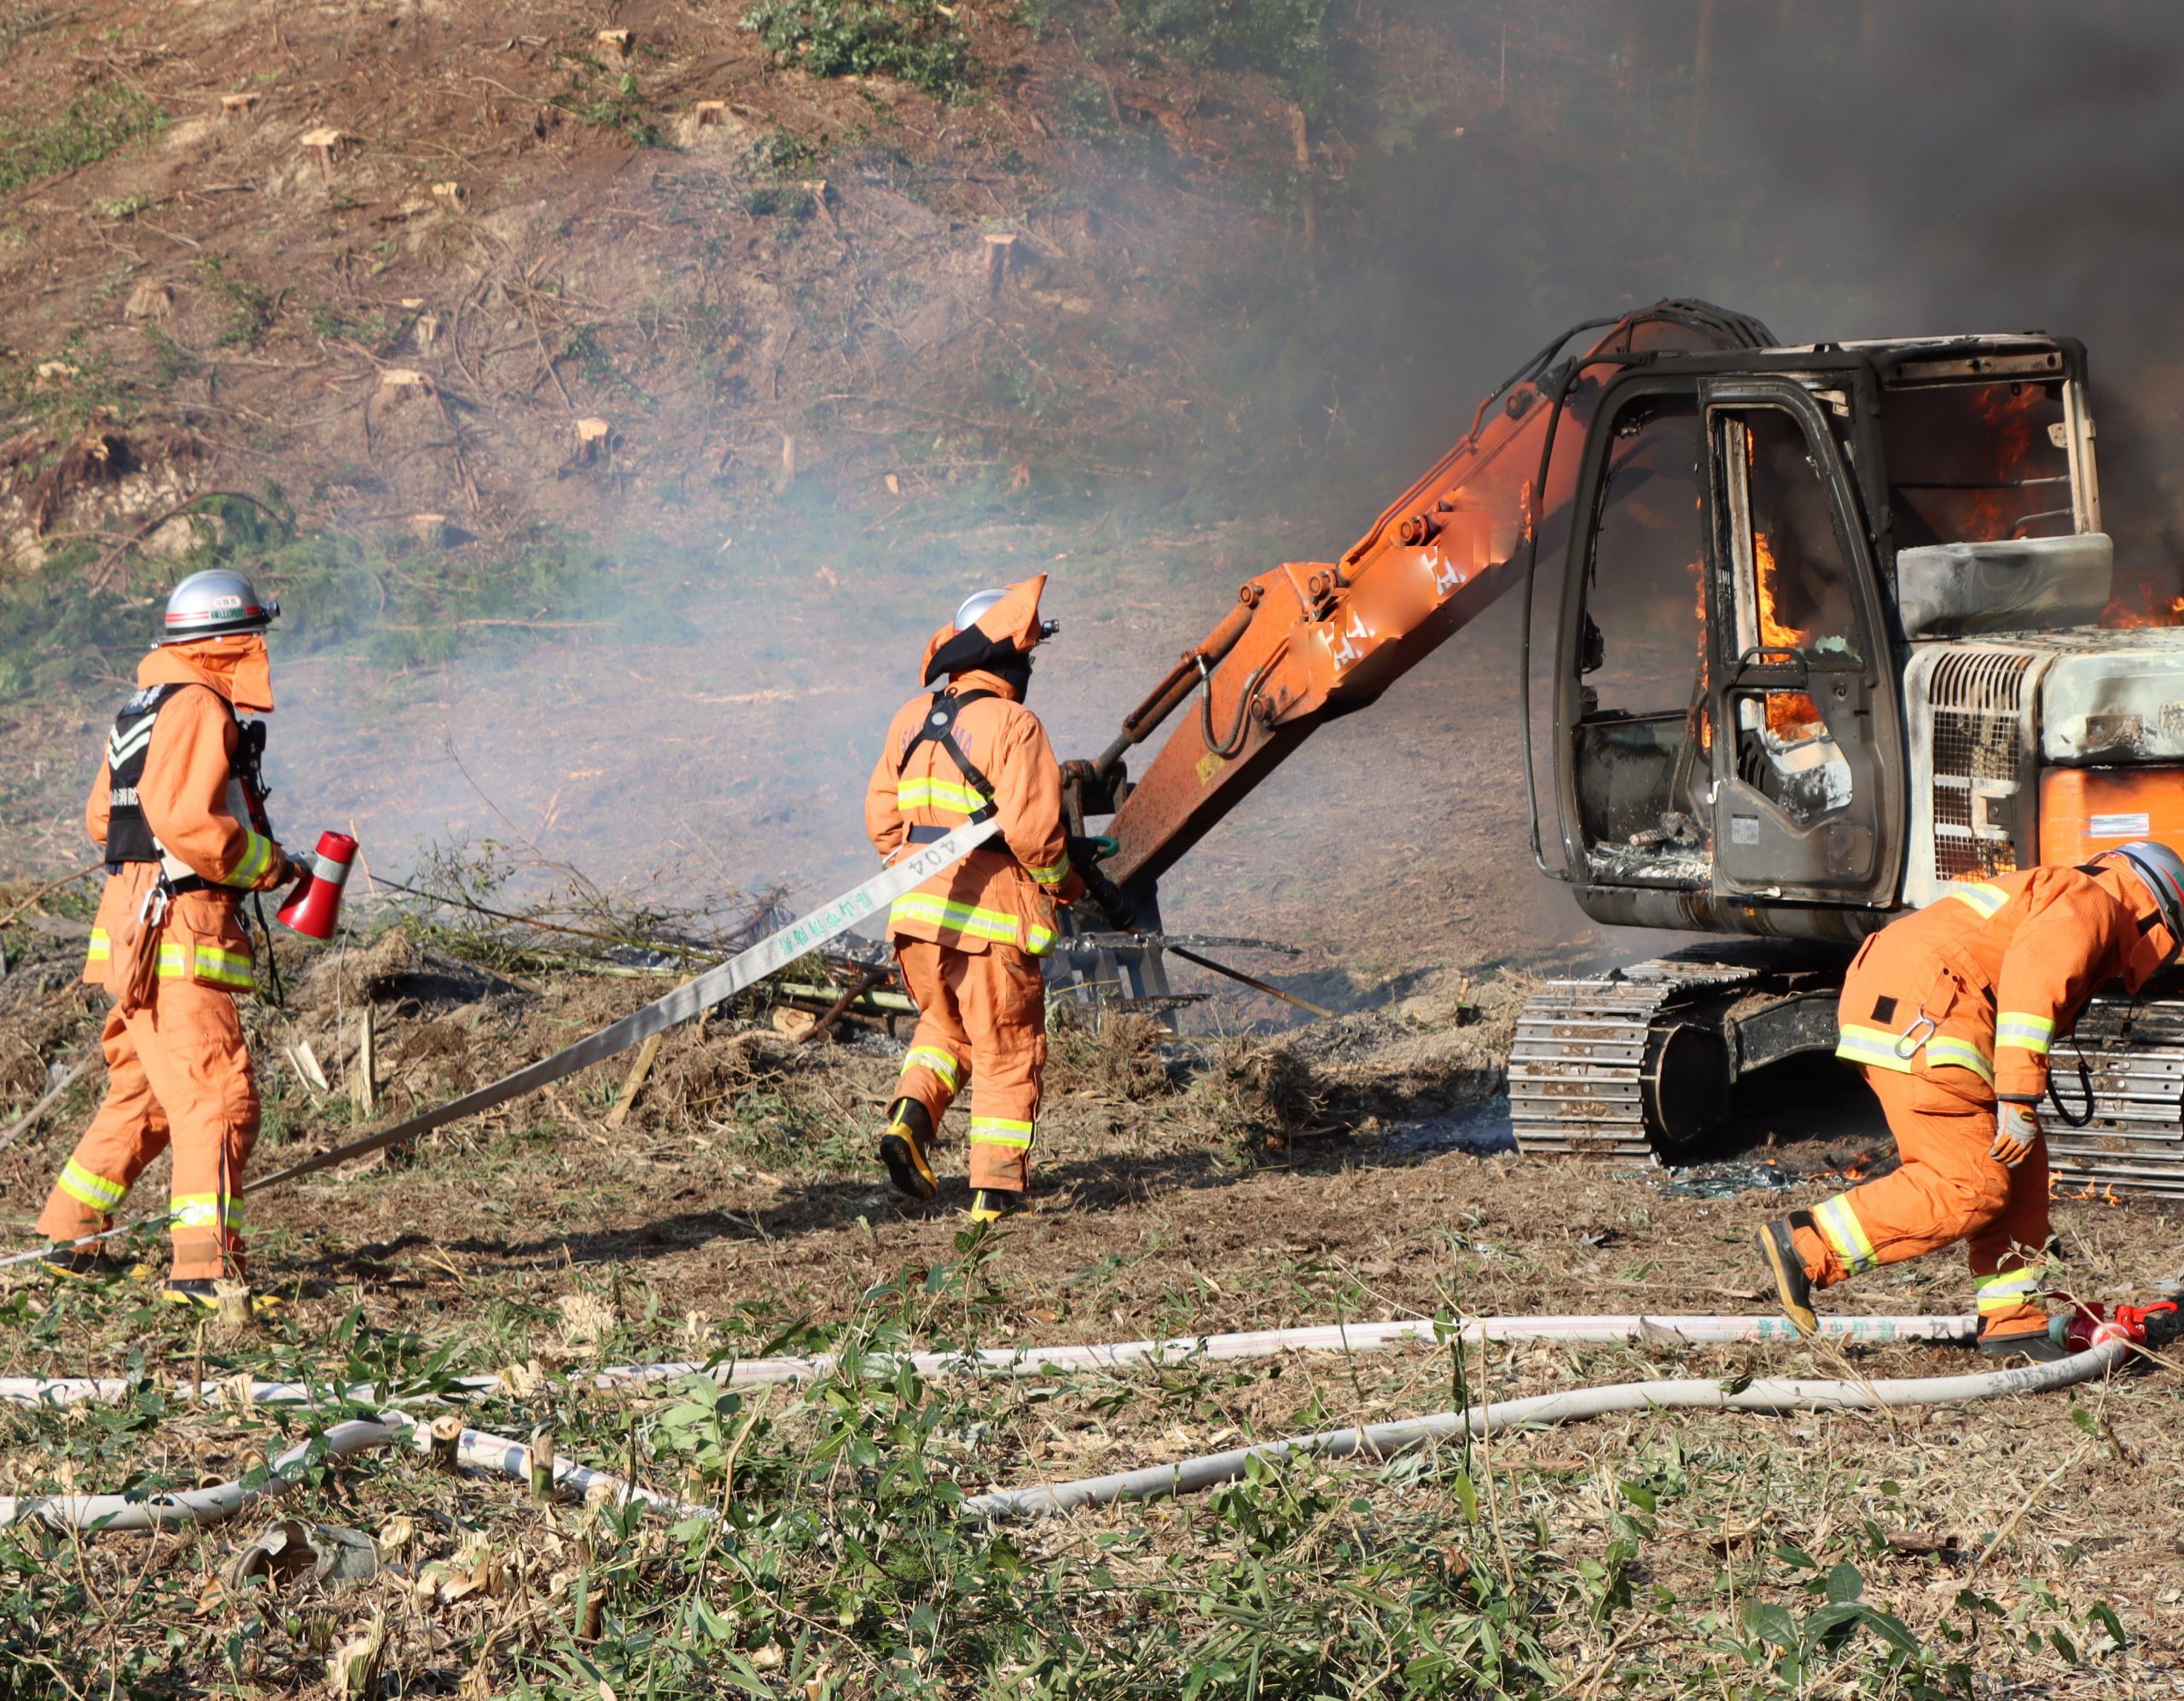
(1982, 897)
(1839, 1226)
(940, 1062)
(2018, 1028)
(101, 949)
(1001, 1131)
(257, 857)
(1052, 873)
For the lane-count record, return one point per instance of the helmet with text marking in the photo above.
(213, 603)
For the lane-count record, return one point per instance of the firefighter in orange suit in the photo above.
(1950, 1013)
(970, 939)
(179, 809)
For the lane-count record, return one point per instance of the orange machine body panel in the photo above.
(2084, 812)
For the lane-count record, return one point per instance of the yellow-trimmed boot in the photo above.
(902, 1149)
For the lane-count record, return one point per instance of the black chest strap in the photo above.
(938, 727)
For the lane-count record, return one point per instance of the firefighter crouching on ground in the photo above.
(970, 939)
(179, 807)
(1950, 1013)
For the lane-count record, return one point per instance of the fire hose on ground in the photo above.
(2109, 1344)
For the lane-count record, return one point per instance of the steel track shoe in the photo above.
(902, 1149)
(1792, 1287)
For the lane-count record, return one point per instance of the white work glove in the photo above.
(2015, 1127)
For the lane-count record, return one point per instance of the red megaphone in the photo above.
(315, 905)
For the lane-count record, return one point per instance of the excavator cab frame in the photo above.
(1719, 532)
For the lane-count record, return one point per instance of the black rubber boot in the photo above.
(902, 1149)
(202, 1293)
(1792, 1287)
(991, 1204)
(78, 1264)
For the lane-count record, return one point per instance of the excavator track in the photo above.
(1623, 1065)
(1579, 1077)
(2135, 1143)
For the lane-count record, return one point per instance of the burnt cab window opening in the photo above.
(1792, 591)
(1643, 637)
(1974, 463)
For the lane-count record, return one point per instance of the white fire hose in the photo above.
(1381, 1441)
(478, 1450)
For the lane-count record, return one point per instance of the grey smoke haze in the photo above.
(1837, 169)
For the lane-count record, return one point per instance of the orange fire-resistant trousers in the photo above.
(1948, 1190)
(982, 1016)
(177, 1073)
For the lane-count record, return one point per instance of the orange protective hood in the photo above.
(2154, 948)
(235, 665)
(1013, 619)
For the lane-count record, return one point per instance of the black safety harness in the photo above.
(938, 727)
(129, 835)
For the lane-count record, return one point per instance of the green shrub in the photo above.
(912, 41)
(96, 123)
(1286, 38)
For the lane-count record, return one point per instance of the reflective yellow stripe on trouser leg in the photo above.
(2006, 1290)
(1839, 1227)
(87, 1187)
(1001, 1131)
(943, 1067)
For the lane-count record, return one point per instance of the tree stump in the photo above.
(594, 441)
(1001, 250)
(326, 145)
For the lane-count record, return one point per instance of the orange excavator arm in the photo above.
(1313, 640)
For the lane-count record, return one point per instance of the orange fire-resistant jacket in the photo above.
(1004, 892)
(192, 802)
(1982, 981)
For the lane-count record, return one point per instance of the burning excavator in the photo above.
(1827, 639)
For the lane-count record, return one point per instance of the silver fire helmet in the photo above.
(214, 602)
(2161, 872)
(976, 604)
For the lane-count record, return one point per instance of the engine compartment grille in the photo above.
(1978, 701)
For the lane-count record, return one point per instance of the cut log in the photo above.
(450, 194)
(237, 105)
(618, 41)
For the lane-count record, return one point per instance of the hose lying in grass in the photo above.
(483, 1451)
(1036, 1360)
(1381, 1441)
(476, 1451)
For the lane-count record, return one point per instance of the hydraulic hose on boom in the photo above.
(1312, 640)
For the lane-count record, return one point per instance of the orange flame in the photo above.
(1773, 632)
(1792, 716)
